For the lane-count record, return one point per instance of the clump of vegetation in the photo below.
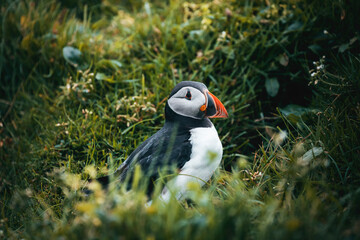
(83, 83)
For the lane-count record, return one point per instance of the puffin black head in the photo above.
(193, 100)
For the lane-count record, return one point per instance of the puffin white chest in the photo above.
(206, 154)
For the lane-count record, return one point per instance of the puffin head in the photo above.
(193, 100)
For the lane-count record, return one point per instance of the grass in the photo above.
(84, 83)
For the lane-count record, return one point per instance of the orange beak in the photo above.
(213, 108)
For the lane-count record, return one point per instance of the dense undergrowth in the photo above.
(85, 82)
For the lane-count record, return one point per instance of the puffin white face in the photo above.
(188, 102)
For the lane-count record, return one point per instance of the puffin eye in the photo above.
(188, 95)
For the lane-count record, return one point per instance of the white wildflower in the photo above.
(280, 137)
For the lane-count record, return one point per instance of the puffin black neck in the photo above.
(185, 122)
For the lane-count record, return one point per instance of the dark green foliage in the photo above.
(82, 83)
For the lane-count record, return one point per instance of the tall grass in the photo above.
(84, 84)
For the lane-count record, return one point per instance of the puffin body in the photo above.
(205, 157)
(188, 142)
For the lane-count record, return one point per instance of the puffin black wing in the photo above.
(169, 147)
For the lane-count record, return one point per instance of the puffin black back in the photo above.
(164, 152)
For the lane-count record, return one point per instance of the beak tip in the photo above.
(220, 109)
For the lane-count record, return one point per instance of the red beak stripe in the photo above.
(220, 109)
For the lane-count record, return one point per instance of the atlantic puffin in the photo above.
(188, 141)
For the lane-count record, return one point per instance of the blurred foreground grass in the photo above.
(84, 82)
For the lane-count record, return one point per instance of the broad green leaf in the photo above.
(229, 52)
(196, 33)
(72, 55)
(102, 76)
(103, 22)
(294, 112)
(294, 27)
(272, 86)
(295, 109)
(114, 64)
(343, 47)
(315, 48)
